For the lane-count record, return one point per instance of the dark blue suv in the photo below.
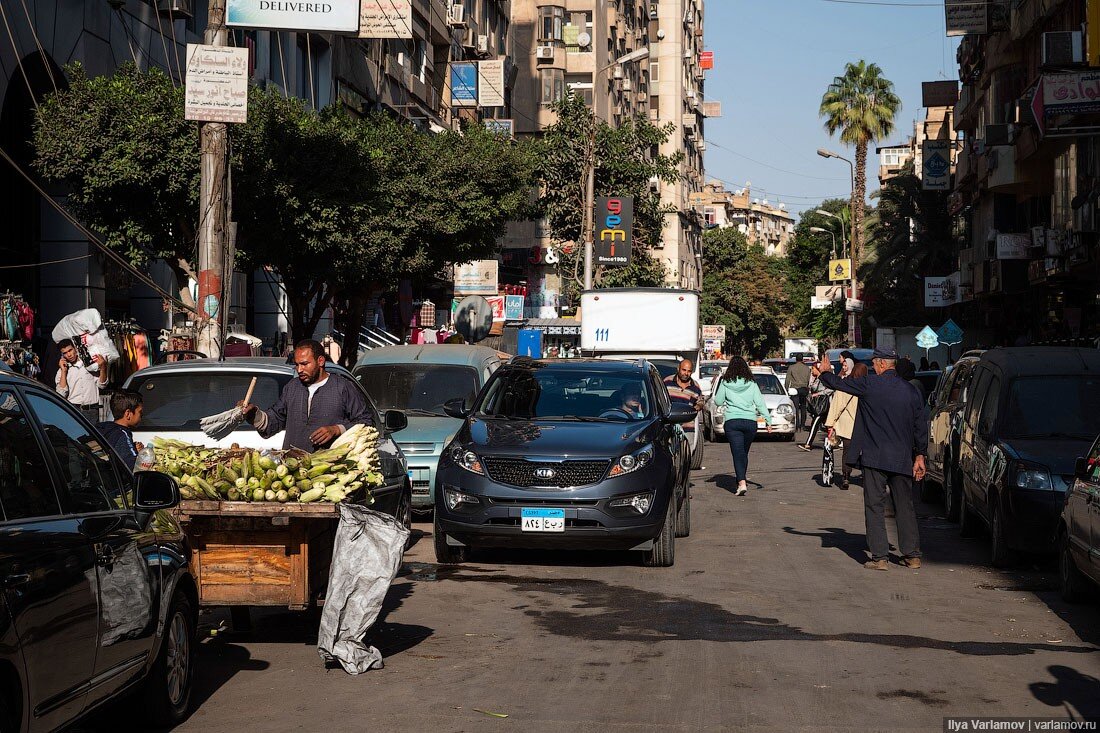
(579, 454)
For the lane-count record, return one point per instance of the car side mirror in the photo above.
(154, 491)
(396, 421)
(680, 414)
(792, 392)
(1081, 468)
(456, 408)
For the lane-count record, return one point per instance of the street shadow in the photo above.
(415, 535)
(835, 538)
(1074, 693)
(599, 611)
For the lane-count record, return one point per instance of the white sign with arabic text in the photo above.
(217, 84)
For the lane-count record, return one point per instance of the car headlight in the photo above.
(1031, 476)
(454, 498)
(784, 409)
(467, 459)
(632, 462)
(638, 502)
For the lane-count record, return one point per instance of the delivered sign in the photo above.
(614, 233)
(217, 84)
(385, 19)
(340, 16)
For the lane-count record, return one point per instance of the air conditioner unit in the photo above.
(617, 72)
(483, 44)
(175, 8)
(628, 86)
(543, 53)
(701, 147)
(998, 135)
(456, 16)
(1062, 48)
(469, 39)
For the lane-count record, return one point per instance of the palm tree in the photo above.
(861, 104)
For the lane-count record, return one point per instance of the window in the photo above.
(420, 59)
(551, 24)
(990, 405)
(1062, 407)
(654, 71)
(552, 82)
(89, 483)
(418, 388)
(578, 23)
(710, 217)
(581, 85)
(26, 490)
(981, 382)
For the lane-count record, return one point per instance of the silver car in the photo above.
(776, 399)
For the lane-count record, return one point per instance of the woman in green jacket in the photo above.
(739, 397)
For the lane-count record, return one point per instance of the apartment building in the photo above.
(892, 160)
(765, 224)
(1026, 194)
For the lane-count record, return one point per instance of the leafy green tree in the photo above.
(129, 163)
(808, 256)
(911, 238)
(625, 165)
(861, 106)
(743, 290)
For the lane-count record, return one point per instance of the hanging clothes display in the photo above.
(132, 344)
(20, 359)
(16, 318)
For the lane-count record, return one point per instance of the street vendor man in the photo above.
(315, 408)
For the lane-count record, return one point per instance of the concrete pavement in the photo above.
(768, 621)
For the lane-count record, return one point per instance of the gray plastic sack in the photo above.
(365, 559)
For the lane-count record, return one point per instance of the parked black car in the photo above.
(97, 597)
(1030, 413)
(1079, 531)
(573, 454)
(945, 431)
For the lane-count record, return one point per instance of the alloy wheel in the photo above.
(178, 658)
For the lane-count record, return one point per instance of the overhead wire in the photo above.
(38, 44)
(19, 62)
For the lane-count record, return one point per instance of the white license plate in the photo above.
(542, 520)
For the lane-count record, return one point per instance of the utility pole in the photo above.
(213, 219)
(590, 203)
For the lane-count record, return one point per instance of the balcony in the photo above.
(966, 111)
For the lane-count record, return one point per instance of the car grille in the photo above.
(567, 474)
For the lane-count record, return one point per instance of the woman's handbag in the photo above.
(818, 404)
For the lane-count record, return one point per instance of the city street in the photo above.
(767, 621)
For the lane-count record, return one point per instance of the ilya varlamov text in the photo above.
(972, 724)
(292, 7)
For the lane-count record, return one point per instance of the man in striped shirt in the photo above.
(685, 390)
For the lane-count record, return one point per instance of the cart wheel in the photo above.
(241, 618)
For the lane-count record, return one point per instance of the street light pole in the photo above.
(590, 183)
(853, 319)
(843, 240)
(820, 230)
(213, 220)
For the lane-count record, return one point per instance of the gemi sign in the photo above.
(614, 233)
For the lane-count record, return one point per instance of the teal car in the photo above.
(418, 380)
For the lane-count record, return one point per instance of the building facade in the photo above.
(1026, 186)
(764, 224)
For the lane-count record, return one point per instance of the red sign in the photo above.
(706, 60)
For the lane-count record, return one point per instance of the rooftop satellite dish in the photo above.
(584, 39)
(474, 318)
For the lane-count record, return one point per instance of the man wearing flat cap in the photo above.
(889, 441)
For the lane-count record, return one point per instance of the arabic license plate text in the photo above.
(542, 520)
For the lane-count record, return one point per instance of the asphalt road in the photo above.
(768, 621)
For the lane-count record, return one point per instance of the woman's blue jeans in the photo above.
(740, 434)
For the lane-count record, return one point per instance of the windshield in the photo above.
(1054, 406)
(566, 394)
(769, 384)
(418, 388)
(706, 371)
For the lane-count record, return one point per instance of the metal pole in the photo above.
(590, 203)
(853, 317)
(213, 224)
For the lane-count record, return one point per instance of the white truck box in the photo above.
(805, 344)
(657, 322)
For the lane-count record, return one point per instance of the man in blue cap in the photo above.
(889, 441)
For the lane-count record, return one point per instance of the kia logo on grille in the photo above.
(545, 473)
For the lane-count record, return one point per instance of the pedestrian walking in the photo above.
(684, 390)
(798, 379)
(888, 443)
(841, 420)
(741, 402)
(76, 383)
(818, 403)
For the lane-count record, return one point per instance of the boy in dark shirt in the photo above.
(126, 406)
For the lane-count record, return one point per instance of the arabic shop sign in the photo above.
(936, 155)
(614, 233)
(338, 16)
(217, 84)
(965, 17)
(1071, 93)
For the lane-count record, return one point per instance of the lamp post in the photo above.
(853, 320)
(843, 240)
(820, 230)
(590, 187)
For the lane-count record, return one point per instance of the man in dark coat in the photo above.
(315, 408)
(889, 441)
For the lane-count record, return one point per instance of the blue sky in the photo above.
(775, 58)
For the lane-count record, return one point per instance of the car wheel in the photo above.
(697, 456)
(708, 430)
(1072, 582)
(446, 554)
(950, 492)
(683, 516)
(168, 687)
(1001, 555)
(663, 554)
(968, 523)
